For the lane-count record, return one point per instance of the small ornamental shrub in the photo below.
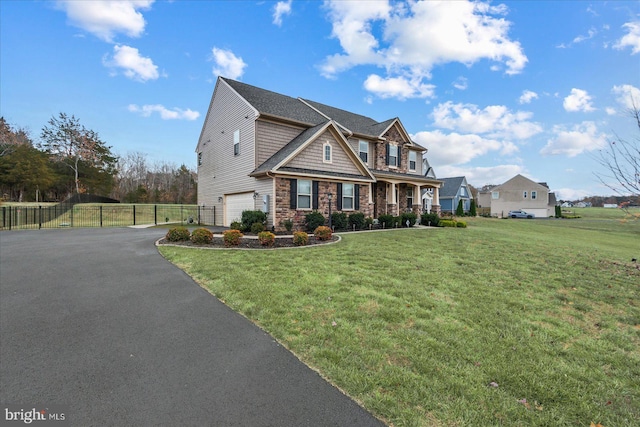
(300, 238)
(322, 233)
(412, 217)
(472, 209)
(430, 219)
(257, 227)
(460, 209)
(251, 217)
(396, 222)
(287, 224)
(461, 224)
(232, 237)
(368, 222)
(201, 236)
(177, 234)
(356, 219)
(447, 223)
(236, 225)
(339, 221)
(313, 220)
(385, 221)
(558, 211)
(266, 238)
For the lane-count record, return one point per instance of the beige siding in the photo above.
(222, 172)
(271, 137)
(355, 144)
(511, 197)
(311, 157)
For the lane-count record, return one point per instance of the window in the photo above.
(199, 159)
(236, 142)
(326, 158)
(364, 151)
(534, 195)
(495, 195)
(393, 155)
(524, 194)
(412, 160)
(347, 197)
(464, 192)
(409, 197)
(304, 194)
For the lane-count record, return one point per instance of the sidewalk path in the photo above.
(97, 320)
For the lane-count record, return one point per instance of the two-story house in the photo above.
(518, 193)
(289, 156)
(452, 192)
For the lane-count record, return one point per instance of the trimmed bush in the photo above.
(287, 224)
(178, 234)
(202, 236)
(300, 238)
(322, 233)
(412, 217)
(266, 238)
(558, 211)
(257, 227)
(460, 209)
(251, 217)
(232, 237)
(236, 225)
(368, 222)
(447, 223)
(430, 219)
(461, 224)
(385, 221)
(339, 220)
(472, 209)
(357, 219)
(313, 220)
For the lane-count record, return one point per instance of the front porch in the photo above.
(394, 197)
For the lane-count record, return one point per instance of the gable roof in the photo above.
(519, 176)
(451, 186)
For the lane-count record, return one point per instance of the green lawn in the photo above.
(456, 327)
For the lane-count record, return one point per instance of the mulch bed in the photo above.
(280, 242)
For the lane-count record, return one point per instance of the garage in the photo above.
(234, 204)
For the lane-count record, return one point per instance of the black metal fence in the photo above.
(102, 215)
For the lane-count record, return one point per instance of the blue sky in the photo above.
(492, 89)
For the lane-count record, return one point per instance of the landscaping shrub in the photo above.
(430, 219)
(472, 209)
(287, 224)
(236, 225)
(447, 223)
(232, 237)
(339, 220)
(201, 236)
(322, 233)
(385, 221)
(300, 238)
(257, 227)
(368, 222)
(266, 238)
(313, 220)
(251, 217)
(558, 211)
(460, 209)
(461, 224)
(357, 219)
(177, 234)
(412, 217)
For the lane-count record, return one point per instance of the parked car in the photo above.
(520, 214)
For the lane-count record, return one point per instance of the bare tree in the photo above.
(621, 159)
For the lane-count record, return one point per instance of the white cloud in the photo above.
(579, 100)
(461, 83)
(457, 149)
(571, 194)
(398, 87)
(631, 39)
(527, 96)
(575, 140)
(481, 176)
(134, 66)
(227, 64)
(165, 113)
(105, 18)
(627, 96)
(591, 33)
(410, 38)
(494, 120)
(281, 9)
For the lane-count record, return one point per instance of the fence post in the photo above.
(134, 214)
(71, 214)
(181, 215)
(100, 215)
(198, 214)
(39, 217)
(155, 214)
(10, 214)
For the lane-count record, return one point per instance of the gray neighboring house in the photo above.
(518, 193)
(453, 190)
(263, 150)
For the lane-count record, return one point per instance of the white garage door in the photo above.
(537, 212)
(235, 204)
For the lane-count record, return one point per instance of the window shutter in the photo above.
(339, 197)
(386, 159)
(356, 195)
(314, 194)
(293, 190)
(399, 155)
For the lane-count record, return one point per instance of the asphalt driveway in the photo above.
(96, 320)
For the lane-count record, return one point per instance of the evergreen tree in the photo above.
(460, 209)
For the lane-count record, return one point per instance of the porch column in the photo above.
(417, 196)
(436, 199)
(393, 194)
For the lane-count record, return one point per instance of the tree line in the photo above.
(70, 159)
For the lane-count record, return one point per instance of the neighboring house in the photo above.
(288, 156)
(518, 193)
(453, 190)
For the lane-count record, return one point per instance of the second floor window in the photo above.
(327, 153)
(199, 159)
(524, 194)
(495, 195)
(364, 151)
(236, 142)
(412, 160)
(393, 155)
(534, 195)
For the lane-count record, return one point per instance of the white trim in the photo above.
(324, 152)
